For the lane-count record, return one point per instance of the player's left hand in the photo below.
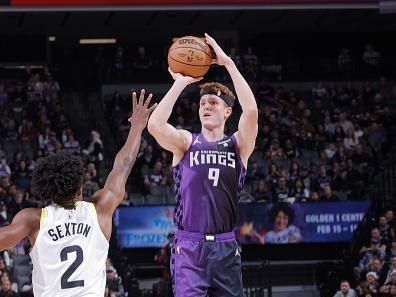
(221, 57)
(141, 110)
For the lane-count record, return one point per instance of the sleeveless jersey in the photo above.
(69, 254)
(207, 182)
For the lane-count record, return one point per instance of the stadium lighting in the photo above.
(98, 40)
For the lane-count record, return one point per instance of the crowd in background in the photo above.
(375, 273)
(317, 144)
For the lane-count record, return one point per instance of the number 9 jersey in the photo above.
(70, 253)
(207, 183)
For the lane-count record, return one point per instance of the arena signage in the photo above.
(149, 226)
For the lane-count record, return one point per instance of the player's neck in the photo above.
(214, 134)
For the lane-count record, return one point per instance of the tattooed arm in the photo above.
(107, 199)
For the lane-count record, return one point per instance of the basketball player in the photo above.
(70, 238)
(209, 171)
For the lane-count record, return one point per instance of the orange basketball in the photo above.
(190, 56)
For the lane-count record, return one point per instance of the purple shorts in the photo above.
(206, 265)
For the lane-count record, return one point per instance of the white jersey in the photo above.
(70, 253)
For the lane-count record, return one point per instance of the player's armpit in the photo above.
(23, 225)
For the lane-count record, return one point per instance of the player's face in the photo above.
(281, 221)
(213, 111)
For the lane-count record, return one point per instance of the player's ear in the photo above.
(228, 112)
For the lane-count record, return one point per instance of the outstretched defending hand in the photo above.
(221, 57)
(186, 79)
(140, 110)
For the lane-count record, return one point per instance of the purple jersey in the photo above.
(207, 182)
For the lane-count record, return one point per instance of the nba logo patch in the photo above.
(70, 214)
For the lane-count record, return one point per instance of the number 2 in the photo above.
(65, 283)
(214, 174)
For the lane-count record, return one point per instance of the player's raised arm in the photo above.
(108, 198)
(22, 226)
(170, 138)
(248, 123)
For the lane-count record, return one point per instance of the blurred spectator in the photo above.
(71, 145)
(320, 90)
(344, 61)
(234, 55)
(328, 195)
(114, 282)
(44, 138)
(378, 267)
(371, 56)
(299, 192)
(91, 169)
(164, 287)
(390, 216)
(370, 287)
(3, 96)
(141, 64)
(389, 287)
(351, 140)
(392, 268)
(323, 180)
(21, 176)
(6, 290)
(261, 193)
(89, 187)
(5, 217)
(253, 172)
(367, 257)
(5, 170)
(94, 151)
(155, 177)
(118, 67)
(250, 62)
(345, 290)
(275, 152)
(281, 191)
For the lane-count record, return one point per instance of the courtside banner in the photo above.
(149, 226)
(175, 2)
(143, 226)
(299, 222)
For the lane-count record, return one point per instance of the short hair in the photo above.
(58, 178)
(281, 207)
(215, 86)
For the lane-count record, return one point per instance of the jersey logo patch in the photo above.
(224, 142)
(196, 141)
(237, 252)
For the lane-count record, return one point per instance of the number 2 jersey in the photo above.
(70, 253)
(207, 183)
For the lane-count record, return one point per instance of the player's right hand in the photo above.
(141, 111)
(186, 79)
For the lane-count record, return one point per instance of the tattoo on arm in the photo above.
(127, 163)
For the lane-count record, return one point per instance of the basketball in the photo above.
(190, 56)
